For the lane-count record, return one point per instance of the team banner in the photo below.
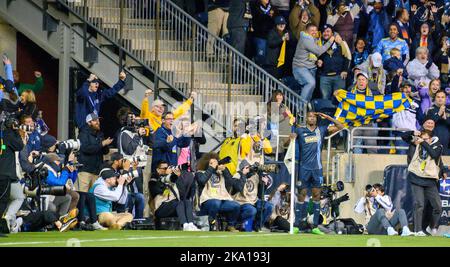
(359, 109)
(399, 189)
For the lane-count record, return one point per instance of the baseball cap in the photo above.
(363, 74)
(378, 1)
(328, 26)
(280, 20)
(407, 82)
(91, 117)
(95, 81)
(243, 164)
(108, 173)
(47, 141)
(116, 156)
(376, 60)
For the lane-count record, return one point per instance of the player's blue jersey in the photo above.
(310, 145)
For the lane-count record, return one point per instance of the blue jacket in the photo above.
(53, 180)
(378, 27)
(167, 151)
(393, 64)
(34, 142)
(8, 83)
(88, 102)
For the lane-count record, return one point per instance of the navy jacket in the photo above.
(393, 64)
(442, 129)
(166, 151)
(334, 63)
(87, 101)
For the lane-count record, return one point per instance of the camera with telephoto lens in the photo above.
(138, 159)
(181, 167)
(329, 191)
(71, 144)
(36, 187)
(369, 189)
(9, 121)
(267, 168)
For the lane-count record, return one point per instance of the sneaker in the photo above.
(68, 225)
(193, 228)
(97, 226)
(186, 227)
(70, 215)
(212, 226)
(232, 229)
(447, 235)
(432, 232)
(17, 225)
(317, 231)
(296, 230)
(391, 231)
(420, 233)
(406, 231)
(86, 227)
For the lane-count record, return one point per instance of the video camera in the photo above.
(260, 168)
(35, 187)
(9, 121)
(329, 191)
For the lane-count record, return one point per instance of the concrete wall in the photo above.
(8, 43)
(369, 169)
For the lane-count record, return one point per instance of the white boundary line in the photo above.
(133, 238)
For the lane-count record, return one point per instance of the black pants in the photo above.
(87, 200)
(421, 194)
(281, 224)
(5, 188)
(182, 208)
(35, 221)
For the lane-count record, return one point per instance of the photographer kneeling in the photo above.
(109, 188)
(59, 175)
(172, 196)
(424, 156)
(249, 186)
(380, 218)
(214, 180)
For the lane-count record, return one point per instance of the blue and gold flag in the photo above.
(359, 109)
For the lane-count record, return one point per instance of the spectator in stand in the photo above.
(238, 23)
(89, 98)
(165, 143)
(155, 114)
(172, 195)
(217, 21)
(424, 39)
(440, 112)
(262, 22)
(403, 26)
(109, 188)
(93, 147)
(428, 94)
(8, 93)
(36, 87)
(33, 137)
(361, 52)
(422, 69)
(27, 104)
(274, 65)
(343, 19)
(214, 198)
(325, 8)
(305, 59)
(395, 63)
(373, 67)
(333, 65)
(393, 41)
(442, 60)
(407, 118)
(303, 13)
(427, 12)
(362, 86)
(379, 19)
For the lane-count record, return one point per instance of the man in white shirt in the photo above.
(379, 212)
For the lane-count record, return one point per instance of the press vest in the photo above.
(215, 189)
(424, 168)
(250, 193)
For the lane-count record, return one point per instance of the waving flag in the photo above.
(359, 109)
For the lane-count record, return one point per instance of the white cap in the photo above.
(91, 117)
(376, 60)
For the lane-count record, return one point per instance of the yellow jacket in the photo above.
(155, 120)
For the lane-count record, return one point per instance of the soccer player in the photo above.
(310, 176)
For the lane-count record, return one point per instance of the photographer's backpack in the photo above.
(349, 226)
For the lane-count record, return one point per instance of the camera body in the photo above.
(36, 187)
(260, 168)
(182, 167)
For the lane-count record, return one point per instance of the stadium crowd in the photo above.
(368, 48)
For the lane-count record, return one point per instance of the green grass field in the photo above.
(210, 239)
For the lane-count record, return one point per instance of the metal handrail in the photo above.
(228, 76)
(129, 55)
(329, 138)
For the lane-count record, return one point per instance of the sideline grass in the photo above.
(210, 239)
